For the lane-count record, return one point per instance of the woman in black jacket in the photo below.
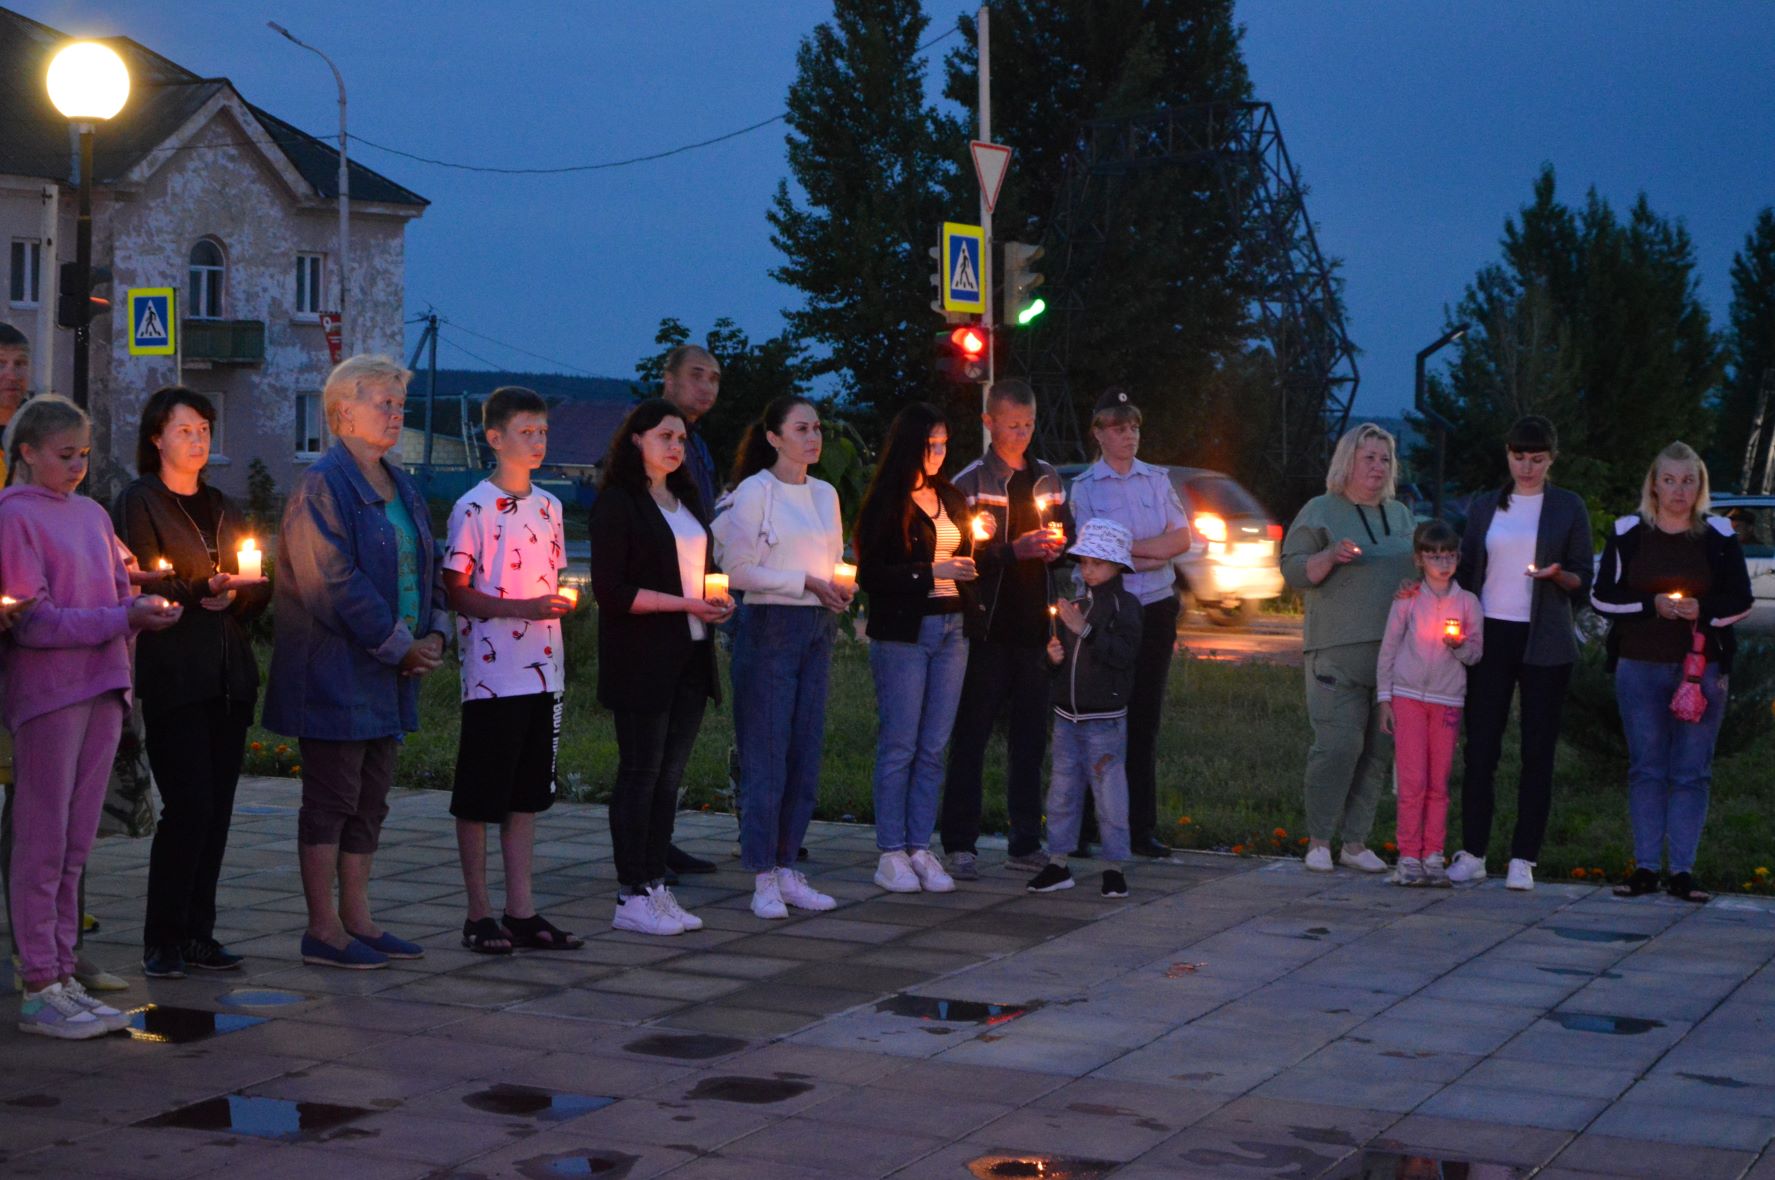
(915, 560)
(198, 680)
(651, 554)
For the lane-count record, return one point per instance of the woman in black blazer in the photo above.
(915, 561)
(651, 552)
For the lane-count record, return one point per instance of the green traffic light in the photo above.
(1035, 308)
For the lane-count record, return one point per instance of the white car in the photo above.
(1753, 516)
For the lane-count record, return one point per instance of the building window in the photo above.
(204, 299)
(310, 426)
(309, 272)
(27, 272)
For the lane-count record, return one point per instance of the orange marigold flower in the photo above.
(256, 746)
(1238, 850)
(1302, 841)
(1598, 874)
(1580, 874)
(1280, 833)
(283, 749)
(1183, 821)
(1390, 846)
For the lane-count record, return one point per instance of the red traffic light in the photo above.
(969, 342)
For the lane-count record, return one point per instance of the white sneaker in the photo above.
(1466, 867)
(795, 890)
(111, 1018)
(1521, 875)
(642, 913)
(683, 916)
(52, 1012)
(895, 874)
(930, 872)
(1319, 859)
(1365, 861)
(767, 897)
(1435, 871)
(1409, 871)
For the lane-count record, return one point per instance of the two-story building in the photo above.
(198, 190)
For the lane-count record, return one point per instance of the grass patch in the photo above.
(1231, 758)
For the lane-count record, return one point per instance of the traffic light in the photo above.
(1021, 304)
(76, 307)
(937, 282)
(961, 353)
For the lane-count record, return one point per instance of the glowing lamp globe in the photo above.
(88, 81)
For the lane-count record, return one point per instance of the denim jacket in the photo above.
(335, 665)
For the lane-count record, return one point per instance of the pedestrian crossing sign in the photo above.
(151, 323)
(964, 288)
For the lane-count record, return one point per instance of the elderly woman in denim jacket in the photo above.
(360, 617)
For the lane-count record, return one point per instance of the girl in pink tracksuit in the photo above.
(1434, 633)
(66, 681)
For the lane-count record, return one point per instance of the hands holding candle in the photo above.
(151, 612)
(11, 610)
(250, 559)
(1451, 632)
(984, 525)
(1677, 605)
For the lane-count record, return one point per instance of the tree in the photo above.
(863, 150)
(1750, 353)
(751, 376)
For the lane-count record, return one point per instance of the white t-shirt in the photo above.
(511, 547)
(693, 549)
(1509, 551)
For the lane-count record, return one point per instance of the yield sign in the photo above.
(991, 162)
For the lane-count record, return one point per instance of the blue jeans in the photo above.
(917, 687)
(1093, 756)
(1669, 762)
(781, 660)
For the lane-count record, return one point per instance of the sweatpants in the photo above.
(1424, 751)
(1347, 765)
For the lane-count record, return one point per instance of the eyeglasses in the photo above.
(1441, 558)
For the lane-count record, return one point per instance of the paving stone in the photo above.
(1614, 1156)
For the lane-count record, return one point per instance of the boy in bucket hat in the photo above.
(1095, 643)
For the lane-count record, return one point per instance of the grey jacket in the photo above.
(1563, 536)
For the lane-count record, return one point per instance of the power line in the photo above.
(442, 318)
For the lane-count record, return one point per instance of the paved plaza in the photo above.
(1232, 1018)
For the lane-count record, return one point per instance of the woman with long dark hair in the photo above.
(915, 561)
(656, 650)
(780, 541)
(198, 680)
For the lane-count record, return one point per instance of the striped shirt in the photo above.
(948, 541)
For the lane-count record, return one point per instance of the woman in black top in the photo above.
(197, 681)
(915, 560)
(651, 552)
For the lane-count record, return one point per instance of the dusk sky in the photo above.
(1418, 125)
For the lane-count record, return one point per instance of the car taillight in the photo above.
(1210, 527)
(1274, 532)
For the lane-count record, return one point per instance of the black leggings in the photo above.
(1491, 683)
(652, 750)
(195, 752)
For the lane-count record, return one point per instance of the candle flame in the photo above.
(161, 563)
(571, 594)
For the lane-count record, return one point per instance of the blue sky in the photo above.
(1418, 125)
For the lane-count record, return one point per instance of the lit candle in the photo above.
(1451, 627)
(1053, 617)
(1531, 569)
(714, 587)
(162, 564)
(8, 600)
(982, 532)
(1675, 594)
(844, 576)
(571, 594)
(250, 558)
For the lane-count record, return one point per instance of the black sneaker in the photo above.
(680, 861)
(163, 962)
(1051, 879)
(1149, 846)
(206, 954)
(1114, 884)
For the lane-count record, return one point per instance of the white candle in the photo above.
(250, 558)
(571, 594)
(162, 564)
(981, 530)
(1531, 570)
(714, 587)
(844, 576)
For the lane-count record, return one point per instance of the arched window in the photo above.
(204, 298)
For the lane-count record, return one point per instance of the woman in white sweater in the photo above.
(780, 541)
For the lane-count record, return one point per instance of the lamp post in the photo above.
(1421, 402)
(344, 185)
(87, 83)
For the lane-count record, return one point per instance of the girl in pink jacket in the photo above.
(1434, 633)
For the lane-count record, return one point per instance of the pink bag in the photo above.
(1689, 704)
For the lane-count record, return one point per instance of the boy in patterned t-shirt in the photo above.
(504, 555)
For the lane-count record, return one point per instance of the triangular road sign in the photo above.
(991, 162)
(151, 328)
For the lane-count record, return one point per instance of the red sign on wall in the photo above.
(329, 323)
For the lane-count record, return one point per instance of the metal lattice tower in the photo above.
(1290, 289)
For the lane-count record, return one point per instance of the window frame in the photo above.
(205, 301)
(25, 273)
(311, 281)
(305, 403)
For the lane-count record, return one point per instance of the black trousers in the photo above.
(652, 750)
(1152, 668)
(998, 674)
(1499, 675)
(195, 752)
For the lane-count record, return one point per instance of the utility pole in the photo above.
(983, 51)
(346, 340)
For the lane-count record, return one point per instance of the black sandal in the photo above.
(1642, 882)
(1682, 887)
(537, 933)
(481, 934)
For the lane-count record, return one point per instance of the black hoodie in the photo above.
(1095, 678)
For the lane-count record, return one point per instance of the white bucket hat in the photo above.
(1106, 540)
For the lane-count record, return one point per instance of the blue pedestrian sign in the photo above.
(964, 247)
(151, 322)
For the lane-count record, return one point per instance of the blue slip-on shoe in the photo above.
(395, 948)
(354, 956)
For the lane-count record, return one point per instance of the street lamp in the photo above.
(1421, 401)
(88, 83)
(344, 182)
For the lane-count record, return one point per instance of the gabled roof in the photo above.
(164, 96)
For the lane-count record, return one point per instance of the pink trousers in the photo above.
(61, 763)
(1424, 746)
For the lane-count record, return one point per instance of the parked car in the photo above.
(1234, 559)
(1753, 516)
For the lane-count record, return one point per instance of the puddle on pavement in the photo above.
(1580, 972)
(1008, 1166)
(262, 998)
(1584, 934)
(167, 1025)
(34, 1101)
(260, 1118)
(545, 1106)
(751, 1091)
(1713, 1079)
(1394, 1165)
(1621, 1026)
(262, 809)
(686, 1046)
(952, 1011)
(613, 1165)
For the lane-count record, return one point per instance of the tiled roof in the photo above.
(35, 140)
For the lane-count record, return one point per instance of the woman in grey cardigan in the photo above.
(1527, 554)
